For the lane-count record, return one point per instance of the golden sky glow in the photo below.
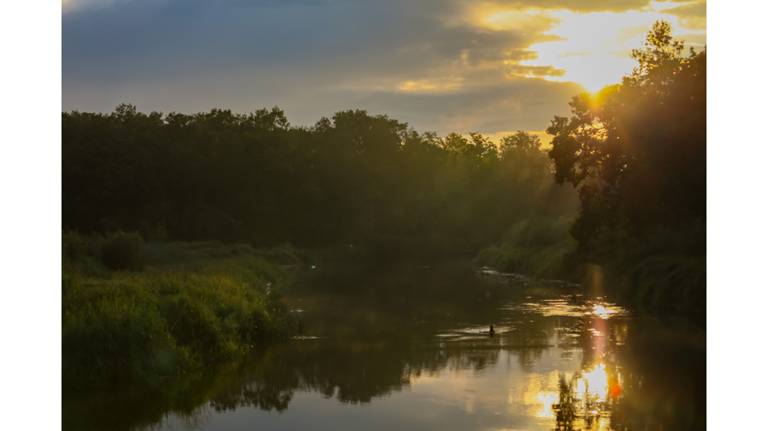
(487, 66)
(589, 48)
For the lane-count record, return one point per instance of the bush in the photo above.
(495, 258)
(112, 329)
(534, 247)
(175, 317)
(76, 246)
(123, 251)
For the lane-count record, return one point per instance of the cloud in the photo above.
(692, 14)
(577, 5)
(503, 104)
(70, 6)
(444, 65)
(309, 58)
(526, 71)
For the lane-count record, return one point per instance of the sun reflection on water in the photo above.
(567, 307)
(604, 311)
(545, 400)
(594, 382)
(580, 390)
(586, 397)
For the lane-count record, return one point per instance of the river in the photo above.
(407, 347)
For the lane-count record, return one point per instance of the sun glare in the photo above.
(595, 381)
(590, 49)
(602, 311)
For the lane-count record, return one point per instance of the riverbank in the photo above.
(147, 313)
(539, 248)
(665, 285)
(663, 275)
(399, 340)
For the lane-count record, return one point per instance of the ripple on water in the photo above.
(570, 306)
(473, 332)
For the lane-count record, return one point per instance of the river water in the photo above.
(408, 347)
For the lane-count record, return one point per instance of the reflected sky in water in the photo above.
(498, 397)
(387, 357)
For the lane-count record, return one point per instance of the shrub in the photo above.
(175, 317)
(76, 246)
(534, 247)
(112, 329)
(123, 251)
(493, 257)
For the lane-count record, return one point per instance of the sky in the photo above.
(440, 65)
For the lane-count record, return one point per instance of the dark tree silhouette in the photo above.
(352, 179)
(636, 152)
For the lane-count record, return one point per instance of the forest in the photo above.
(359, 179)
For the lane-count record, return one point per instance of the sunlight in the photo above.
(539, 394)
(589, 396)
(591, 49)
(602, 311)
(595, 381)
(514, 19)
(545, 400)
(430, 85)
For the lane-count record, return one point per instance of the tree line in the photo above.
(352, 179)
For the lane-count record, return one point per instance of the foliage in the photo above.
(123, 251)
(185, 310)
(355, 178)
(537, 247)
(636, 152)
(76, 246)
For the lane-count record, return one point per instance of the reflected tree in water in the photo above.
(565, 409)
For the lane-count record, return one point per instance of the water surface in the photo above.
(408, 347)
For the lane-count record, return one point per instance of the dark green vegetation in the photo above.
(535, 247)
(636, 152)
(358, 179)
(194, 303)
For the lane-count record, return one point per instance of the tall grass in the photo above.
(194, 303)
(536, 247)
(665, 273)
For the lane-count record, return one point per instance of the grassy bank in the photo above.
(662, 274)
(667, 285)
(534, 247)
(147, 312)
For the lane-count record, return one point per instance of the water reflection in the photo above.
(558, 360)
(585, 399)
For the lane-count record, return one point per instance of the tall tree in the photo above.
(637, 151)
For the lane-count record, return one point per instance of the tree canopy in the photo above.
(355, 178)
(637, 151)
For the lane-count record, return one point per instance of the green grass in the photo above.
(191, 305)
(535, 247)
